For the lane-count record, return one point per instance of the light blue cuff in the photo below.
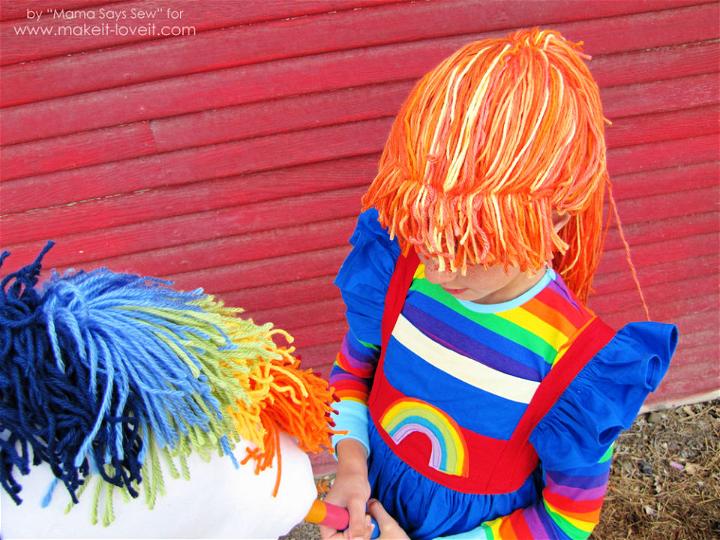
(477, 533)
(353, 417)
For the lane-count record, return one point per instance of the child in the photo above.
(482, 398)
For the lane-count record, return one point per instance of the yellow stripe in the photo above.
(350, 398)
(534, 324)
(585, 526)
(494, 526)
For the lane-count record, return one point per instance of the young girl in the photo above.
(481, 397)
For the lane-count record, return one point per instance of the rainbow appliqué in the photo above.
(449, 450)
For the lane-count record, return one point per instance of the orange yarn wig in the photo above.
(487, 146)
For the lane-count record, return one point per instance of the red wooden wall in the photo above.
(234, 159)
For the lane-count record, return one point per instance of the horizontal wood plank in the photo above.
(674, 249)
(201, 16)
(667, 228)
(342, 69)
(204, 226)
(624, 300)
(315, 33)
(195, 165)
(262, 119)
(247, 157)
(146, 206)
(651, 274)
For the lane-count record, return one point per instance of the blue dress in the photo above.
(574, 440)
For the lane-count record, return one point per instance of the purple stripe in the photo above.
(358, 350)
(560, 288)
(533, 520)
(576, 493)
(353, 361)
(548, 524)
(345, 376)
(435, 453)
(461, 343)
(580, 481)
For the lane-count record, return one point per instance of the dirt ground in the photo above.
(665, 482)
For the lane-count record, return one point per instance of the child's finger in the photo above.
(385, 521)
(357, 528)
(379, 513)
(326, 532)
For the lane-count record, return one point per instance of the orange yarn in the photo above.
(486, 146)
(287, 398)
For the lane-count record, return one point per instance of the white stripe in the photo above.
(463, 368)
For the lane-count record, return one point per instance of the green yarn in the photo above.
(223, 351)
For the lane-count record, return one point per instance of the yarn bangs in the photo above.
(487, 147)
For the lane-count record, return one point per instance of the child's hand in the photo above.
(389, 528)
(351, 489)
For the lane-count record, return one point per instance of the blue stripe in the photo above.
(575, 480)
(477, 332)
(414, 377)
(459, 342)
(360, 351)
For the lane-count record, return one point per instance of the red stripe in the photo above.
(571, 505)
(519, 525)
(556, 302)
(350, 385)
(365, 371)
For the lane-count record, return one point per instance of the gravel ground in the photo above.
(665, 481)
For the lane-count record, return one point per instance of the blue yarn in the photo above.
(31, 414)
(165, 384)
(84, 379)
(48, 496)
(228, 451)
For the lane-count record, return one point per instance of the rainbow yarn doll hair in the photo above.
(106, 377)
(488, 145)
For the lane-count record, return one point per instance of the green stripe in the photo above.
(492, 322)
(368, 345)
(608, 454)
(568, 528)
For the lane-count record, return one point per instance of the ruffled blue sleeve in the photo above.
(365, 274)
(363, 280)
(574, 440)
(606, 396)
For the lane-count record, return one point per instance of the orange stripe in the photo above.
(551, 316)
(588, 517)
(342, 394)
(506, 530)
